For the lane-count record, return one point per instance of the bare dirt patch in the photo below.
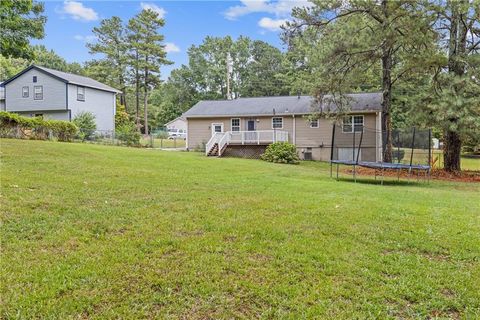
(436, 174)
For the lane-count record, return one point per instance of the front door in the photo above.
(217, 127)
(251, 125)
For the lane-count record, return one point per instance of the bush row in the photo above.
(14, 125)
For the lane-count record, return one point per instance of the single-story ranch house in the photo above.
(52, 94)
(245, 126)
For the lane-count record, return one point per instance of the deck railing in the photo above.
(245, 137)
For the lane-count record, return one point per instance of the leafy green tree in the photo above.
(20, 21)
(148, 54)
(345, 44)
(263, 72)
(42, 57)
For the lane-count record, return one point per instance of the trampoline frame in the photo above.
(380, 165)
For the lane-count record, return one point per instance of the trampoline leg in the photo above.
(398, 174)
(331, 164)
(354, 174)
(382, 175)
(337, 171)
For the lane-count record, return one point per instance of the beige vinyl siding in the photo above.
(199, 131)
(319, 139)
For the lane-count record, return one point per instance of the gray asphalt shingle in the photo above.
(282, 105)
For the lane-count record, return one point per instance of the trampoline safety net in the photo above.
(358, 145)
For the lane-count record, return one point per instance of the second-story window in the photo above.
(80, 93)
(38, 92)
(314, 123)
(34, 79)
(25, 92)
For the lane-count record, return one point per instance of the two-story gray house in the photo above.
(53, 94)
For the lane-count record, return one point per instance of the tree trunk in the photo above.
(145, 110)
(145, 102)
(456, 65)
(137, 93)
(451, 151)
(387, 62)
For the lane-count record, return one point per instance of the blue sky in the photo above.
(70, 23)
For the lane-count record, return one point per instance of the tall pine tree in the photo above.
(147, 55)
(111, 41)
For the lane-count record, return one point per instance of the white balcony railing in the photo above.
(257, 137)
(245, 137)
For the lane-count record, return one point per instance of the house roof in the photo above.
(68, 78)
(178, 118)
(360, 102)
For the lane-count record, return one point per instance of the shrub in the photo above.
(85, 121)
(281, 152)
(121, 116)
(128, 134)
(36, 128)
(63, 130)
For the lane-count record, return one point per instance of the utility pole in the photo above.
(229, 71)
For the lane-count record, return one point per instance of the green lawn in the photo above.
(92, 231)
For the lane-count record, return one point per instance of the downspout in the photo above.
(294, 130)
(379, 139)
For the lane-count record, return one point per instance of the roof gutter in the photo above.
(268, 114)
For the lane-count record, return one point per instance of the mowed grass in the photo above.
(100, 232)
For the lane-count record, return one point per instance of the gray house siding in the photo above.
(59, 100)
(49, 115)
(54, 93)
(100, 103)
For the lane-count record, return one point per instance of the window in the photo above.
(351, 123)
(358, 123)
(80, 93)
(277, 123)
(38, 92)
(25, 92)
(34, 79)
(314, 123)
(236, 124)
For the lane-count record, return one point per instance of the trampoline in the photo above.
(359, 146)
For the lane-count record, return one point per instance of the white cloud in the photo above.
(280, 8)
(150, 6)
(78, 11)
(88, 38)
(171, 47)
(271, 24)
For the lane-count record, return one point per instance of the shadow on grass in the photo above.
(386, 182)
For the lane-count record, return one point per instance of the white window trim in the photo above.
(277, 118)
(239, 124)
(34, 93)
(217, 124)
(78, 99)
(28, 92)
(318, 124)
(353, 124)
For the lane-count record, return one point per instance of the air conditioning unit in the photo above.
(307, 154)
